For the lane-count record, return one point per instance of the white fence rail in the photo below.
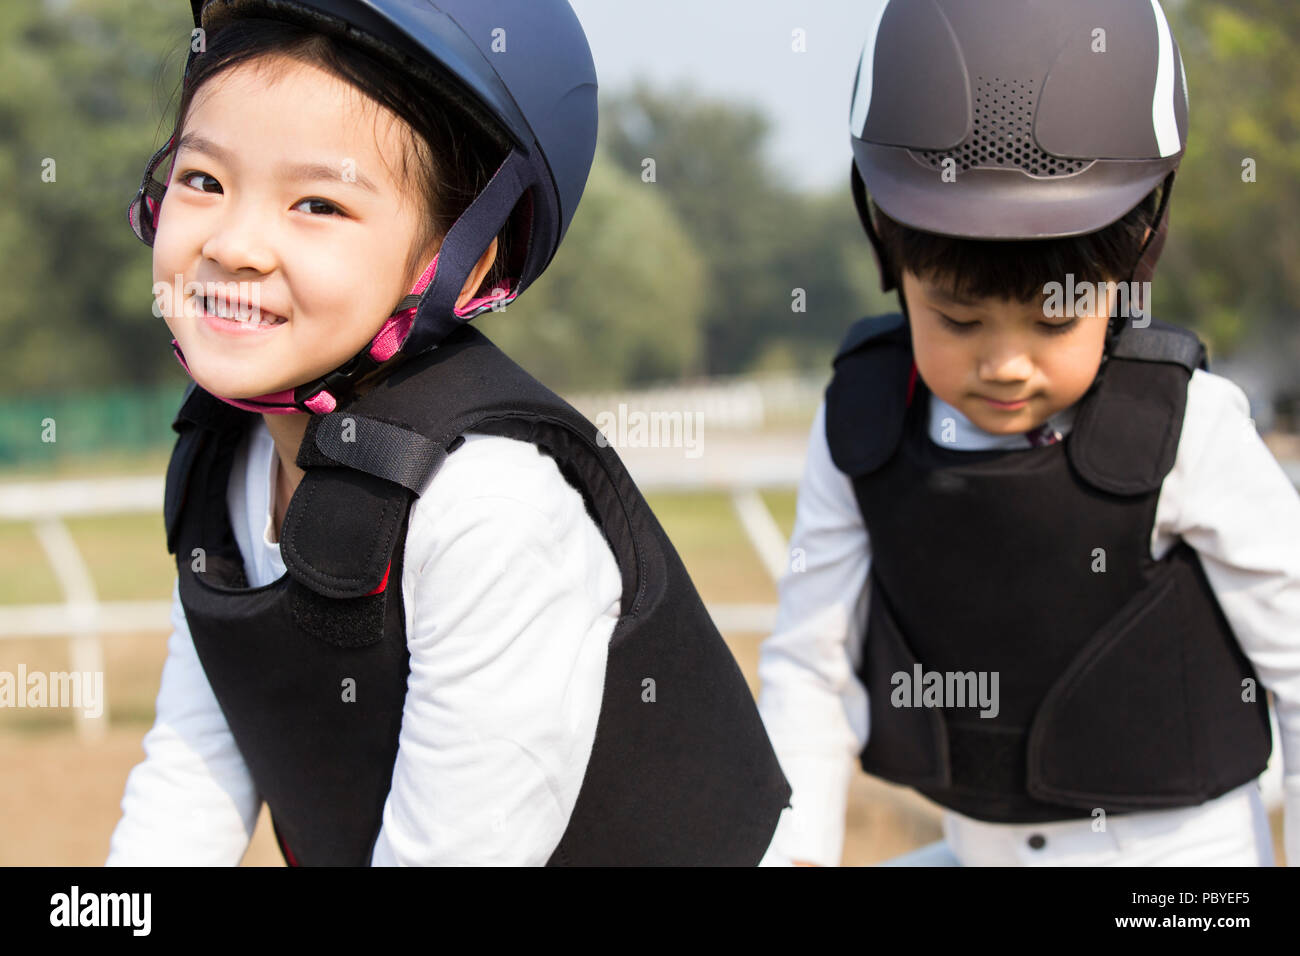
(82, 618)
(740, 461)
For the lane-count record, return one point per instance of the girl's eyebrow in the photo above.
(299, 172)
(323, 172)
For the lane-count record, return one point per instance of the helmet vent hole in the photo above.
(1002, 134)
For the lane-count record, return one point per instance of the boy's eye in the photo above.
(329, 208)
(1047, 327)
(957, 326)
(186, 177)
(1051, 329)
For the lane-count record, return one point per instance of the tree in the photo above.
(621, 302)
(76, 113)
(1229, 266)
(761, 241)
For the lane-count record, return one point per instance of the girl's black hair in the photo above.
(1016, 269)
(448, 161)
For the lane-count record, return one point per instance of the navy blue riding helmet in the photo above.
(521, 70)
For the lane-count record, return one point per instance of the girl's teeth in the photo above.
(241, 314)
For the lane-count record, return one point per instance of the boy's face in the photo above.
(323, 247)
(1008, 352)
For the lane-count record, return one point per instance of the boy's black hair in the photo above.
(1016, 269)
(453, 157)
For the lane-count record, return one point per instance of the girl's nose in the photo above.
(240, 243)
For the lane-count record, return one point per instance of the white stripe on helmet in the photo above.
(1163, 120)
(862, 95)
(1182, 68)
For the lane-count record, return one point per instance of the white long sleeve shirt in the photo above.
(1226, 496)
(511, 594)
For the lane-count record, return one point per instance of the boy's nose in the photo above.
(1012, 365)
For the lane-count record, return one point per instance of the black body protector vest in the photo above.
(683, 775)
(1121, 684)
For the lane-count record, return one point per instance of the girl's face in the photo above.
(282, 196)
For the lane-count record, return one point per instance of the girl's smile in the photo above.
(235, 317)
(285, 193)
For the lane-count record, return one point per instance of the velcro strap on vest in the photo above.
(987, 757)
(381, 448)
(341, 530)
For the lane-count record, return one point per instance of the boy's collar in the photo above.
(965, 434)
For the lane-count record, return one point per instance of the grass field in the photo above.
(61, 797)
(128, 560)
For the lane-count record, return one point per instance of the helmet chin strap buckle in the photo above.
(332, 389)
(326, 393)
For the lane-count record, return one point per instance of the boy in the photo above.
(1046, 560)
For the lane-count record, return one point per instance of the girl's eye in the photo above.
(329, 208)
(1051, 329)
(186, 177)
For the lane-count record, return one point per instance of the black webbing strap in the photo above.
(373, 446)
(1157, 344)
(465, 242)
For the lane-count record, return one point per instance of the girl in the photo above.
(420, 610)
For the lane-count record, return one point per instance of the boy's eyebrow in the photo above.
(299, 172)
(948, 297)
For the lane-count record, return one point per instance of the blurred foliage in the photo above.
(1230, 265)
(695, 272)
(79, 84)
(620, 303)
(761, 241)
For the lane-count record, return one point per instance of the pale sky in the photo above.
(742, 50)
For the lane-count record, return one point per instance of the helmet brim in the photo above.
(984, 203)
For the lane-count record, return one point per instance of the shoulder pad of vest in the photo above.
(1125, 438)
(179, 467)
(874, 328)
(200, 413)
(178, 423)
(199, 407)
(866, 400)
(1161, 342)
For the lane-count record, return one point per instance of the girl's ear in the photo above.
(475, 279)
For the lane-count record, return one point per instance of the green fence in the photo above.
(49, 429)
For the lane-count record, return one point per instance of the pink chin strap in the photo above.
(386, 343)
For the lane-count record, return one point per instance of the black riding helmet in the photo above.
(538, 101)
(1059, 117)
